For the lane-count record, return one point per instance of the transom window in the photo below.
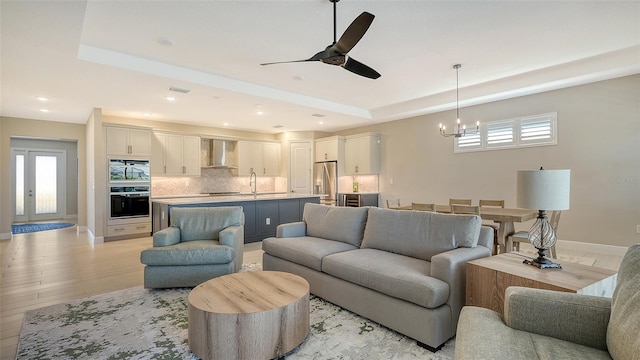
(535, 130)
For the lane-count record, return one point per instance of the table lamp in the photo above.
(543, 190)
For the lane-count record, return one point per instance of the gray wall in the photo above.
(598, 139)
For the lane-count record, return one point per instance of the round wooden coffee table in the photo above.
(248, 315)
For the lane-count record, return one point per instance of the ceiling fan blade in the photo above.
(359, 68)
(317, 57)
(287, 62)
(354, 33)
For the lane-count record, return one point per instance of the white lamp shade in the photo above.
(544, 189)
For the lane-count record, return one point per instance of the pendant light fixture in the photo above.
(461, 130)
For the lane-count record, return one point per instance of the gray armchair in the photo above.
(544, 324)
(201, 244)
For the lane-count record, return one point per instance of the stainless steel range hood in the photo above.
(219, 154)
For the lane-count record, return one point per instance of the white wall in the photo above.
(598, 139)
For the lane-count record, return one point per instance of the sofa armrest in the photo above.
(580, 319)
(233, 236)
(166, 237)
(450, 267)
(294, 229)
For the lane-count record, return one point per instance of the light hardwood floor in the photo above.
(50, 267)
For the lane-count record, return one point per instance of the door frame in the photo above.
(29, 213)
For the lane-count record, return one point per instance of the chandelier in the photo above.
(461, 130)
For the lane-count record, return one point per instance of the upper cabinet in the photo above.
(263, 158)
(330, 149)
(175, 155)
(362, 154)
(128, 141)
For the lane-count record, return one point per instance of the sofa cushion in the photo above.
(344, 224)
(395, 275)
(419, 234)
(623, 341)
(199, 223)
(196, 252)
(308, 251)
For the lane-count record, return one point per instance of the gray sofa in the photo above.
(201, 244)
(402, 269)
(544, 324)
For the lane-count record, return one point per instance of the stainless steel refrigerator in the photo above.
(325, 175)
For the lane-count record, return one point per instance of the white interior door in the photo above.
(39, 185)
(300, 167)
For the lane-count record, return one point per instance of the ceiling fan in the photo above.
(336, 53)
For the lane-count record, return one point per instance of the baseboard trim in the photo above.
(5, 236)
(82, 229)
(591, 247)
(94, 239)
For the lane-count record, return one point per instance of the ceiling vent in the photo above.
(180, 90)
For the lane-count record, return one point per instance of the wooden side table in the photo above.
(248, 315)
(488, 278)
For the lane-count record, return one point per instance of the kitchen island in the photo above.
(262, 212)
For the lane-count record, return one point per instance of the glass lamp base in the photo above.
(543, 265)
(541, 262)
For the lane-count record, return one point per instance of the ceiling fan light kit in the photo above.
(336, 53)
(461, 130)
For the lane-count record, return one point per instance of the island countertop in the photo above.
(231, 198)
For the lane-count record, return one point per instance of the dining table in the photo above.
(504, 217)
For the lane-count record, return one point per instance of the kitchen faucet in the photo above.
(253, 180)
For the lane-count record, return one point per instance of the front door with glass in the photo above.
(39, 189)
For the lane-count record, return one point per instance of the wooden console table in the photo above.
(488, 278)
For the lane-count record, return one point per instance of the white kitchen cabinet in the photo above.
(123, 141)
(330, 149)
(175, 155)
(263, 158)
(271, 159)
(158, 141)
(362, 154)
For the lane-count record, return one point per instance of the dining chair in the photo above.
(459, 201)
(493, 203)
(423, 207)
(492, 224)
(465, 209)
(523, 236)
(395, 204)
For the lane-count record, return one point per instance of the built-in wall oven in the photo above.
(129, 201)
(129, 190)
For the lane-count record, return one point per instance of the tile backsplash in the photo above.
(213, 180)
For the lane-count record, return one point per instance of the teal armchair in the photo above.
(202, 243)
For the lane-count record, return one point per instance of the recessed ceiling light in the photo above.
(321, 122)
(147, 114)
(259, 112)
(42, 98)
(225, 124)
(44, 110)
(170, 98)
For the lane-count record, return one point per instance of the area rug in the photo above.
(29, 228)
(152, 324)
